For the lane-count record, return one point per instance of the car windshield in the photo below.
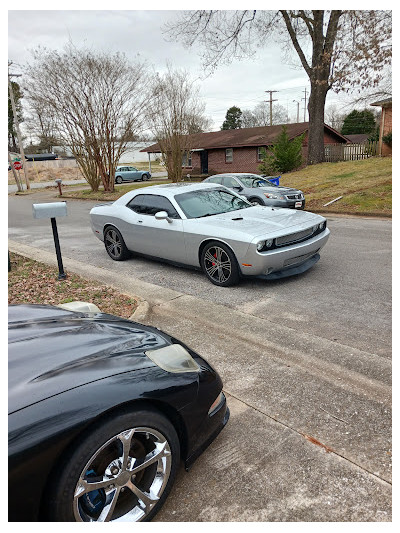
(205, 203)
(255, 181)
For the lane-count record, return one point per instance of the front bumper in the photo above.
(207, 432)
(288, 204)
(285, 258)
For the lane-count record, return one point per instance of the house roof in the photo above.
(260, 136)
(358, 138)
(384, 103)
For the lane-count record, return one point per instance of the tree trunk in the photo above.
(316, 107)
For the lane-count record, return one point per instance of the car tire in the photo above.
(115, 244)
(256, 201)
(145, 177)
(118, 179)
(131, 461)
(219, 264)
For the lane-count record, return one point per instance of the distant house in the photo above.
(358, 138)
(386, 125)
(240, 150)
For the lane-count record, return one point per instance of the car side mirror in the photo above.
(238, 188)
(162, 215)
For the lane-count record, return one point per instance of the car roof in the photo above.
(169, 190)
(235, 174)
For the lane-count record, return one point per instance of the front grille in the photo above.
(294, 196)
(293, 237)
(298, 259)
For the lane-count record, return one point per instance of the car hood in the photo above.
(52, 350)
(281, 189)
(260, 221)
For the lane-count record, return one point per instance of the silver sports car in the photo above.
(210, 227)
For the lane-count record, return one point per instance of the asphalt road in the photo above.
(305, 363)
(345, 297)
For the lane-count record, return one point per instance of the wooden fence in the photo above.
(350, 152)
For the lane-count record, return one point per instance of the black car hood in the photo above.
(52, 350)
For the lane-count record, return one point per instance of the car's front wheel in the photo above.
(219, 264)
(122, 470)
(256, 201)
(115, 245)
(145, 177)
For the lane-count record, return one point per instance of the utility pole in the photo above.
(305, 102)
(21, 149)
(298, 108)
(270, 105)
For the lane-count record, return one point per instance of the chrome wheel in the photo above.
(219, 264)
(118, 179)
(125, 478)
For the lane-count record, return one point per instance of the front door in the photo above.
(204, 161)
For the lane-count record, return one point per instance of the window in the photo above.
(150, 204)
(260, 153)
(229, 155)
(187, 159)
(230, 182)
(215, 180)
(205, 203)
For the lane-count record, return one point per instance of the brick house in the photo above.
(240, 150)
(385, 126)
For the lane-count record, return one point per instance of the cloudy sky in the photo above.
(242, 83)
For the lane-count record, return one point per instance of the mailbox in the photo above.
(50, 210)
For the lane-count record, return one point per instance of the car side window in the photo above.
(150, 204)
(215, 180)
(231, 182)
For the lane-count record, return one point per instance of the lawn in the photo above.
(366, 186)
(36, 283)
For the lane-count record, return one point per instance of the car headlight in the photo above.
(263, 245)
(322, 225)
(173, 358)
(274, 196)
(315, 228)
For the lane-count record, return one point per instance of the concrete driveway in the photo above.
(305, 364)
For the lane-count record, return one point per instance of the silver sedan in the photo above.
(210, 227)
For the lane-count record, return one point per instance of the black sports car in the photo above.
(101, 410)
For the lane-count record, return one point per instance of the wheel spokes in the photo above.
(152, 457)
(148, 499)
(109, 506)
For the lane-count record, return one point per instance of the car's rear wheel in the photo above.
(115, 245)
(219, 264)
(122, 470)
(256, 201)
(118, 179)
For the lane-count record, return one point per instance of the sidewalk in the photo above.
(292, 433)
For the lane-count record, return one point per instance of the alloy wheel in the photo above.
(125, 478)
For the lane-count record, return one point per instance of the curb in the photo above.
(145, 293)
(142, 312)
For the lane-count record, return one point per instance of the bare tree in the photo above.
(97, 100)
(340, 50)
(334, 117)
(176, 109)
(259, 116)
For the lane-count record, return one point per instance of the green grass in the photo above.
(87, 194)
(366, 186)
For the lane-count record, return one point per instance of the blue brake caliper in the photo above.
(93, 501)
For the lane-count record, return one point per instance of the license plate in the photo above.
(298, 204)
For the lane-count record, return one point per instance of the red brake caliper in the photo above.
(215, 255)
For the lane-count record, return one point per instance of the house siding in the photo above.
(245, 159)
(387, 128)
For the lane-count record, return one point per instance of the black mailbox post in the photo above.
(53, 210)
